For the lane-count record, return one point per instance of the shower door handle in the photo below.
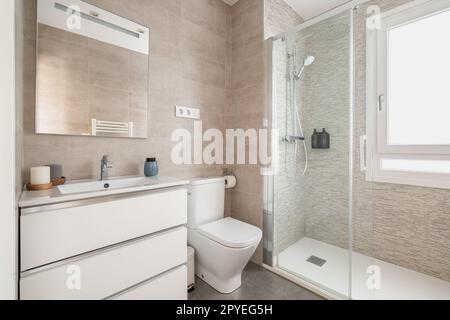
(381, 101)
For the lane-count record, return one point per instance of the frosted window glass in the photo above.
(419, 82)
(423, 166)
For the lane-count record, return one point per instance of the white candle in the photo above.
(40, 175)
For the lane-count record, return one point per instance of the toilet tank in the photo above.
(206, 201)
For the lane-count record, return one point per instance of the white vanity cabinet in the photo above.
(165, 287)
(126, 246)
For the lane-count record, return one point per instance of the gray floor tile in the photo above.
(257, 284)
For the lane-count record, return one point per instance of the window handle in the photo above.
(381, 101)
(363, 153)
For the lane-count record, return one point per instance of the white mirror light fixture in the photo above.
(94, 23)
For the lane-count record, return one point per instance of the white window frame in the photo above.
(377, 148)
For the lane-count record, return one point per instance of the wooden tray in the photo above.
(39, 187)
(59, 182)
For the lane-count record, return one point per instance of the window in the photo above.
(408, 96)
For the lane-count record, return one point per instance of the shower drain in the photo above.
(317, 261)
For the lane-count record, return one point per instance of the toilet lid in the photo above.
(232, 233)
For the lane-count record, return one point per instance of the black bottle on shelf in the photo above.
(325, 139)
(315, 140)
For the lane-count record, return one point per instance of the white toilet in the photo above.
(223, 246)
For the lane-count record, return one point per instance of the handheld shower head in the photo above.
(306, 63)
(309, 61)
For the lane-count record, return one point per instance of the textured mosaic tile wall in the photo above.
(404, 225)
(315, 205)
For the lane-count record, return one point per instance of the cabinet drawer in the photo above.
(170, 286)
(99, 276)
(58, 234)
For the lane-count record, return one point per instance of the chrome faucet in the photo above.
(106, 164)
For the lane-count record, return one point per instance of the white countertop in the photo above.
(39, 198)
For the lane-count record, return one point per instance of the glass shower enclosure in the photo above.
(310, 196)
(326, 226)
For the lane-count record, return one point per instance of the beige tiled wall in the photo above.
(189, 65)
(252, 22)
(203, 53)
(247, 104)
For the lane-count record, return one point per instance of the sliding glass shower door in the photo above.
(328, 224)
(312, 112)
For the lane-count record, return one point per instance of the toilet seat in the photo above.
(231, 233)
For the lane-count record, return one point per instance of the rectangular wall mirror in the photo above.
(92, 72)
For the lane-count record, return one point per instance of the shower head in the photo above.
(309, 61)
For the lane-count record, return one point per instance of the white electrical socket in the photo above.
(186, 112)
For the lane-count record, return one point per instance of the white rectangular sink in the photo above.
(89, 189)
(95, 186)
